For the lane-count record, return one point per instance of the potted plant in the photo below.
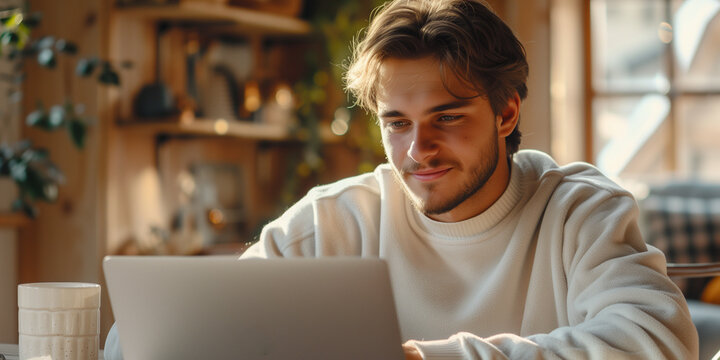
(29, 166)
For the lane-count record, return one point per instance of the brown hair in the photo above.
(464, 35)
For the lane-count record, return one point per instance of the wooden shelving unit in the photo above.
(119, 185)
(145, 157)
(238, 129)
(251, 165)
(13, 220)
(207, 127)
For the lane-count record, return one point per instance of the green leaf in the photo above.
(24, 34)
(45, 42)
(34, 155)
(6, 151)
(4, 168)
(66, 47)
(40, 154)
(9, 37)
(34, 185)
(46, 58)
(28, 156)
(58, 115)
(77, 130)
(14, 20)
(85, 67)
(38, 118)
(25, 207)
(32, 20)
(18, 170)
(108, 76)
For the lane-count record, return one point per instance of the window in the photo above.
(654, 94)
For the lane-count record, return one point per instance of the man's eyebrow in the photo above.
(449, 106)
(439, 108)
(391, 114)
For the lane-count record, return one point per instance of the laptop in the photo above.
(218, 307)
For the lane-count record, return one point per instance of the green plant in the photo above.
(30, 167)
(335, 23)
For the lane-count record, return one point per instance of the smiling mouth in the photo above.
(430, 174)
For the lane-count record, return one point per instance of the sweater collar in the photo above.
(476, 225)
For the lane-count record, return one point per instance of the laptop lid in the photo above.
(223, 308)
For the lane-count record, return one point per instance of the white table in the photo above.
(11, 351)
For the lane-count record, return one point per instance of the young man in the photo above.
(493, 253)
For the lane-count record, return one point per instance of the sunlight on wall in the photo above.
(147, 211)
(566, 82)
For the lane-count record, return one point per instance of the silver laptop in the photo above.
(224, 308)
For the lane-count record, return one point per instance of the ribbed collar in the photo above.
(475, 226)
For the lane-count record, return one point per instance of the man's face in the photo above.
(440, 139)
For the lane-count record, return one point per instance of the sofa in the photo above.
(682, 219)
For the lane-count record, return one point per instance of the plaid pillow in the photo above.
(686, 229)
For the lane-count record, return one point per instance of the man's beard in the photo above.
(478, 178)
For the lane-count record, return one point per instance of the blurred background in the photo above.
(161, 127)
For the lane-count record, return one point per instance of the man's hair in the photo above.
(465, 36)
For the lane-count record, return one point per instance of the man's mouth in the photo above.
(429, 174)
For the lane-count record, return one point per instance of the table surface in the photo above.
(11, 351)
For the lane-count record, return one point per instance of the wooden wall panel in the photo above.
(530, 20)
(65, 242)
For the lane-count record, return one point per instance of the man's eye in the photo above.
(447, 118)
(395, 125)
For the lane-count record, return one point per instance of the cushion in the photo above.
(686, 229)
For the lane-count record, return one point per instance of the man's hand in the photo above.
(411, 352)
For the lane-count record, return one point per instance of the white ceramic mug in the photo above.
(58, 320)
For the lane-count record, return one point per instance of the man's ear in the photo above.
(507, 120)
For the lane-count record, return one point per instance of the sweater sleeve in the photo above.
(279, 239)
(620, 303)
(290, 235)
(328, 221)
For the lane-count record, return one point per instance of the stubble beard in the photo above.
(478, 178)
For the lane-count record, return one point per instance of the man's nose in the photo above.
(424, 144)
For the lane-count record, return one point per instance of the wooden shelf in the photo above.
(208, 127)
(235, 128)
(13, 220)
(247, 20)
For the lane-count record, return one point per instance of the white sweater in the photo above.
(555, 268)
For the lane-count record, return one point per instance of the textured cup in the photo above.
(59, 320)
